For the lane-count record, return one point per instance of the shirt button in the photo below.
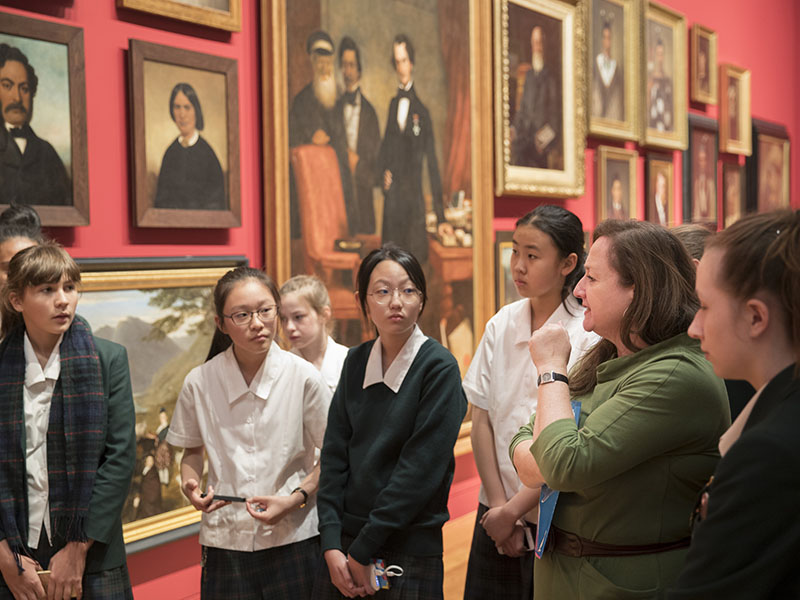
(251, 478)
(249, 420)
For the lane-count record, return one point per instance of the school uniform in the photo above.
(332, 362)
(260, 440)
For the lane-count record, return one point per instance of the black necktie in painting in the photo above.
(350, 97)
(19, 132)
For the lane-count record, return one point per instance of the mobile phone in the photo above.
(225, 498)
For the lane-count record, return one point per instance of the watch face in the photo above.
(547, 377)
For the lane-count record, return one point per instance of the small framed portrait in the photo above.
(540, 116)
(616, 183)
(703, 65)
(43, 155)
(613, 74)
(660, 195)
(768, 168)
(185, 138)
(734, 193)
(506, 291)
(734, 110)
(700, 172)
(664, 114)
(219, 14)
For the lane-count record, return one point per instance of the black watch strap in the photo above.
(550, 377)
(305, 495)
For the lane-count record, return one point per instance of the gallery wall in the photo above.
(762, 35)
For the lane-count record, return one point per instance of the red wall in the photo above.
(762, 35)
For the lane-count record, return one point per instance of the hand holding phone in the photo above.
(224, 498)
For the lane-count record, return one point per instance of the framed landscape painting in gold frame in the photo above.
(703, 65)
(540, 97)
(451, 64)
(735, 124)
(613, 31)
(616, 192)
(219, 14)
(665, 105)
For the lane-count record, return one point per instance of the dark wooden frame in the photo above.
(774, 130)
(711, 126)
(144, 214)
(230, 20)
(72, 38)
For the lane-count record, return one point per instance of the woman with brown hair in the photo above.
(651, 413)
(749, 327)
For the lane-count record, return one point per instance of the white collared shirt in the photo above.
(22, 143)
(36, 396)
(332, 362)
(402, 107)
(607, 66)
(397, 371)
(502, 378)
(260, 440)
(352, 116)
(191, 141)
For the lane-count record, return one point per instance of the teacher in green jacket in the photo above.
(67, 442)
(651, 414)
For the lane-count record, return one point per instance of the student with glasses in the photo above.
(387, 460)
(259, 413)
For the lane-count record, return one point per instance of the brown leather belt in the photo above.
(569, 544)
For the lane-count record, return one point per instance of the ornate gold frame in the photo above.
(743, 145)
(275, 110)
(629, 128)
(679, 138)
(604, 153)
(513, 179)
(104, 281)
(230, 20)
(697, 95)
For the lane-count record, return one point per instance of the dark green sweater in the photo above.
(387, 459)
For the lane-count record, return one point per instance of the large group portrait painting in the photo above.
(379, 151)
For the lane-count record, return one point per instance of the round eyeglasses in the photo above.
(407, 295)
(243, 317)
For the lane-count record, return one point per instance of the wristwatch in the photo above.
(305, 495)
(550, 377)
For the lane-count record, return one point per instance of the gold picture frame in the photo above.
(276, 56)
(229, 20)
(616, 166)
(659, 204)
(703, 65)
(540, 154)
(768, 169)
(664, 93)
(611, 114)
(112, 301)
(735, 123)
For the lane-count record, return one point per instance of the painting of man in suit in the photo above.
(408, 141)
(31, 171)
(608, 78)
(536, 139)
(660, 73)
(363, 138)
(704, 180)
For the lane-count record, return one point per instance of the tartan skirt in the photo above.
(280, 573)
(112, 584)
(493, 575)
(422, 579)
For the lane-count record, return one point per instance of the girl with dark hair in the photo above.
(67, 441)
(259, 413)
(190, 176)
(546, 263)
(387, 460)
(748, 325)
(20, 228)
(651, 413)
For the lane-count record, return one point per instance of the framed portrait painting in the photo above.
(616, 183)
(734, 193)
(700, 172)
(220, 14)
(165, 319)
(540, 97)
(734, 110)
(664, 114)
(613, 74)
(375, 130)
(505, 290)
(660, 194)
(185, 137)
(768, 168)
(43, 155)
(703, 65)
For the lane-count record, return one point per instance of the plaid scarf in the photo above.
(75, 437)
